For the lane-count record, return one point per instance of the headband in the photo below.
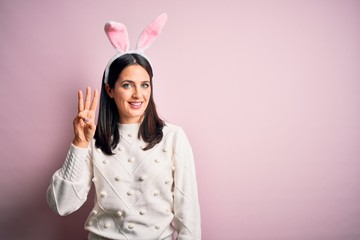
(119, 38)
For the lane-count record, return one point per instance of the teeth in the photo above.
(136, 104)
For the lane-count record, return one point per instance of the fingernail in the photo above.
(86, 120)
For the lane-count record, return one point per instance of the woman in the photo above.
(142, 169)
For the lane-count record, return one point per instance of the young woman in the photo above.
(142, 168)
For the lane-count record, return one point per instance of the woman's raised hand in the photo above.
(84, 123)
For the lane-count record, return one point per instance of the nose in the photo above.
(136, 93)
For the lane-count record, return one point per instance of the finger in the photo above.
(91, 126)
(78, 122)
(80, 101)
(84, 116)
(95, 100)
(87, 98)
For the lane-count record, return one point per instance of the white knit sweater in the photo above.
(140, 195)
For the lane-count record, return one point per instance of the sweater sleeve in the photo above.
(186, 202)
(70, 184)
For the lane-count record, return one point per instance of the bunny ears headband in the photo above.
(119, 38)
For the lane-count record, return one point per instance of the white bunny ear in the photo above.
(118, 35)
(152, 31)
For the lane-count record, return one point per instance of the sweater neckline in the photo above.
(129, 126)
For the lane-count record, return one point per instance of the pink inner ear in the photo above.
(118, 35)
(151, 32)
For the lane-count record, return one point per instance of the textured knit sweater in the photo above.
(140, 194)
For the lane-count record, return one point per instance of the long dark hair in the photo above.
(107, 134)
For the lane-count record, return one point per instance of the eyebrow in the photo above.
(130, 81)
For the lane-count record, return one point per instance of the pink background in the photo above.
(267, 91)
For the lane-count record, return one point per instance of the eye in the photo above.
(145, 85)
(126, 85)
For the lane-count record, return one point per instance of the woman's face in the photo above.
(131, 93)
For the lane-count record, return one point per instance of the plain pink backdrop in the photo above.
(267, 91)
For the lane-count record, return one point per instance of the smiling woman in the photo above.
(131, 93)
(127, 98)
(142, 168)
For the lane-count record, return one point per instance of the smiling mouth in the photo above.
(135, 104)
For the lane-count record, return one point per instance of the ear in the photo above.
(118, 35)
(150, 33)
(109, 91)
